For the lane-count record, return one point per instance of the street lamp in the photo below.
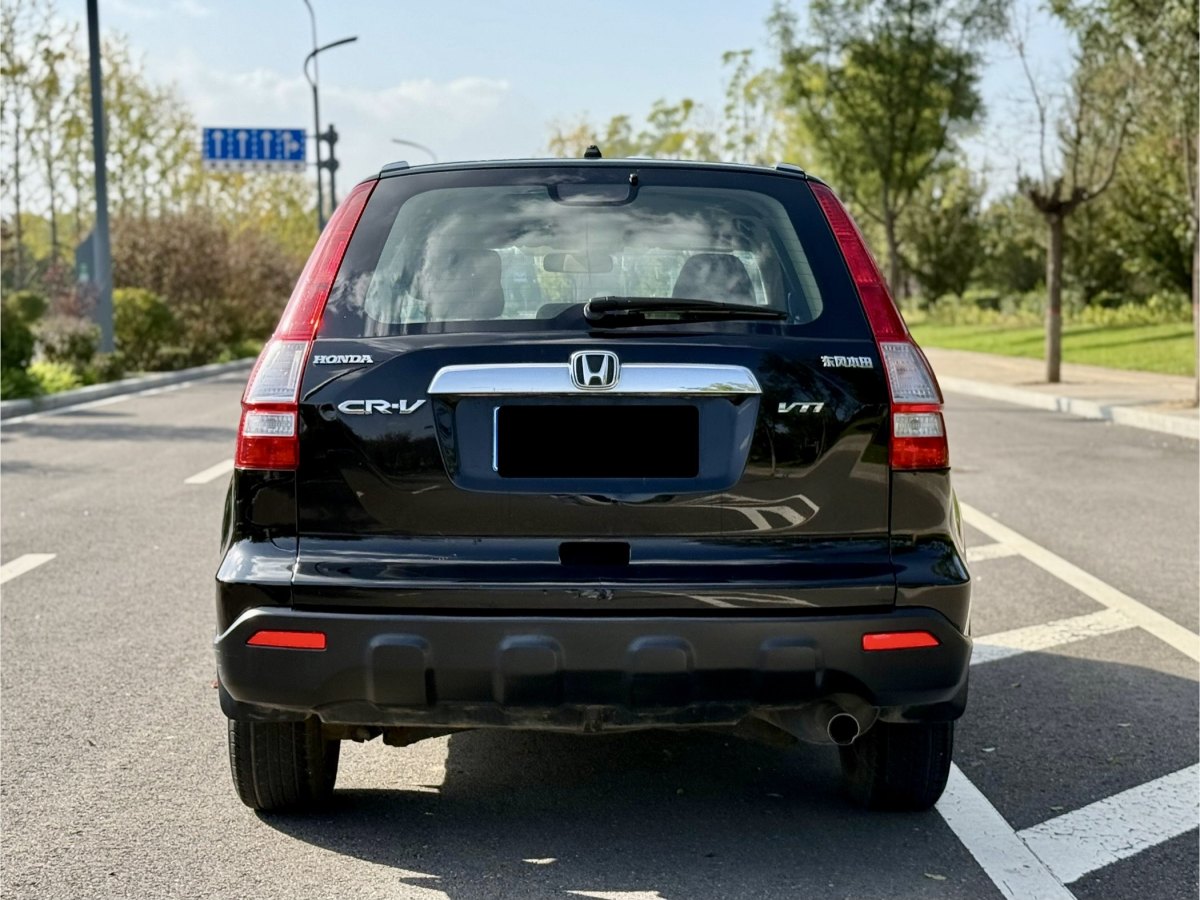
(420, 147)
(312, 82)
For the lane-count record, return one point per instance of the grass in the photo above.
(1165, 348)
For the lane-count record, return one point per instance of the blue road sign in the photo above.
(254, 148)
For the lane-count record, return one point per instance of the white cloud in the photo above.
(193, 9)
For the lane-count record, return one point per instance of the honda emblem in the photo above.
(595, 370)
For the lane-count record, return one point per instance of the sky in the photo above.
(486, 80)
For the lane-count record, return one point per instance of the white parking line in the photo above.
(1004, 644)
(1102, 833)
(1138, 613)
(1012, 866)
(212, 472)
(991, 551)
(23, 564)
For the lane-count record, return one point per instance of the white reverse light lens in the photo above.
(278, 377)
(909, 378)
(269, 424)
(917, 425)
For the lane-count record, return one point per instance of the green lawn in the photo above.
(1149, 348)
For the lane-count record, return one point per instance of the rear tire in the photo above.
(282, 765)
(899, 766)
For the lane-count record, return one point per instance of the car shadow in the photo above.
(541, 814)
(706, 814)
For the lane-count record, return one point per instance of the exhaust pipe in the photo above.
(838, 719)
(842, 729)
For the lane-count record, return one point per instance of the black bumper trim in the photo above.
(571, 673)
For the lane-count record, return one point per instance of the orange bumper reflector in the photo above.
(898, 640)
(291, 640)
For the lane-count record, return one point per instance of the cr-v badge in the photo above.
(385, 407)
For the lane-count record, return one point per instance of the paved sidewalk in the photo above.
(1138, 399)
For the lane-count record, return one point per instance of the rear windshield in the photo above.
(500, 249)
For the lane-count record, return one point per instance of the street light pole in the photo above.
(420, 147)
(312, 82)
(102, 250)
(312, 57)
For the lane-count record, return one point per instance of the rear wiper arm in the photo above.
(631, 310)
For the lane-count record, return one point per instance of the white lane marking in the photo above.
(212, 472)
(991, 551)
(1144, 617)
(1012, 866)
(1111, 829)
(1004, 644)
(23, 564)
(109, 401)
(619, 895)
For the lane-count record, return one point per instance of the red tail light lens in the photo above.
(268, 436)
(918, 435)
(289, 640)
(898, 640)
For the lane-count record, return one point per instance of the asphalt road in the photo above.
(1076, 760)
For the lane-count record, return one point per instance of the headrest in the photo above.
(464, 284)
(714, 276)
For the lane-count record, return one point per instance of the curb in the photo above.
(12, 408)
(1179, 426)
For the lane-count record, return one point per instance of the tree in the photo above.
(881, 93)
(1012, 249)
(1164, 37)
(1081, 136)
(944, 232)
(752, 131)
(671, 131)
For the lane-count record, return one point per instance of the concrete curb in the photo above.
(12, 408)
(1179, 426)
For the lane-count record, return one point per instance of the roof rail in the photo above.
(398, 166)
(790, 167)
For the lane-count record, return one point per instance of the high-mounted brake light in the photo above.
(268, 436)
(918, 439)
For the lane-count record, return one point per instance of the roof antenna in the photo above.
(592, 152)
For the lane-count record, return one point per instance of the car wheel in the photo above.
(899, 766)
(282, 765)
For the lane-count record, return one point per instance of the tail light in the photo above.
(918, 432)
(268, 436)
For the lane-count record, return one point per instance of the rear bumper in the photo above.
(583, 672)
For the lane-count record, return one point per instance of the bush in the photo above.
(28, 305)
(54, 377)
(17, 383)
(16, 339)
(105, 367)
(68, 340)
(144, 325)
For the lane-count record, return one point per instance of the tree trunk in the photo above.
(1054, 265)
(19, 256)
(894, 272)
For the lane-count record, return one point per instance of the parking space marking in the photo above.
(1017, 873)
(23, 564)
(1004, 644)
(991, 551)
(1109, 830)
(212, 472)
(1138, 613)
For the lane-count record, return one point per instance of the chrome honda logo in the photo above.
(595, 370)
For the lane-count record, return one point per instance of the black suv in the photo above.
(591, 445)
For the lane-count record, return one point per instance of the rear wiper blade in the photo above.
(632, 310)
